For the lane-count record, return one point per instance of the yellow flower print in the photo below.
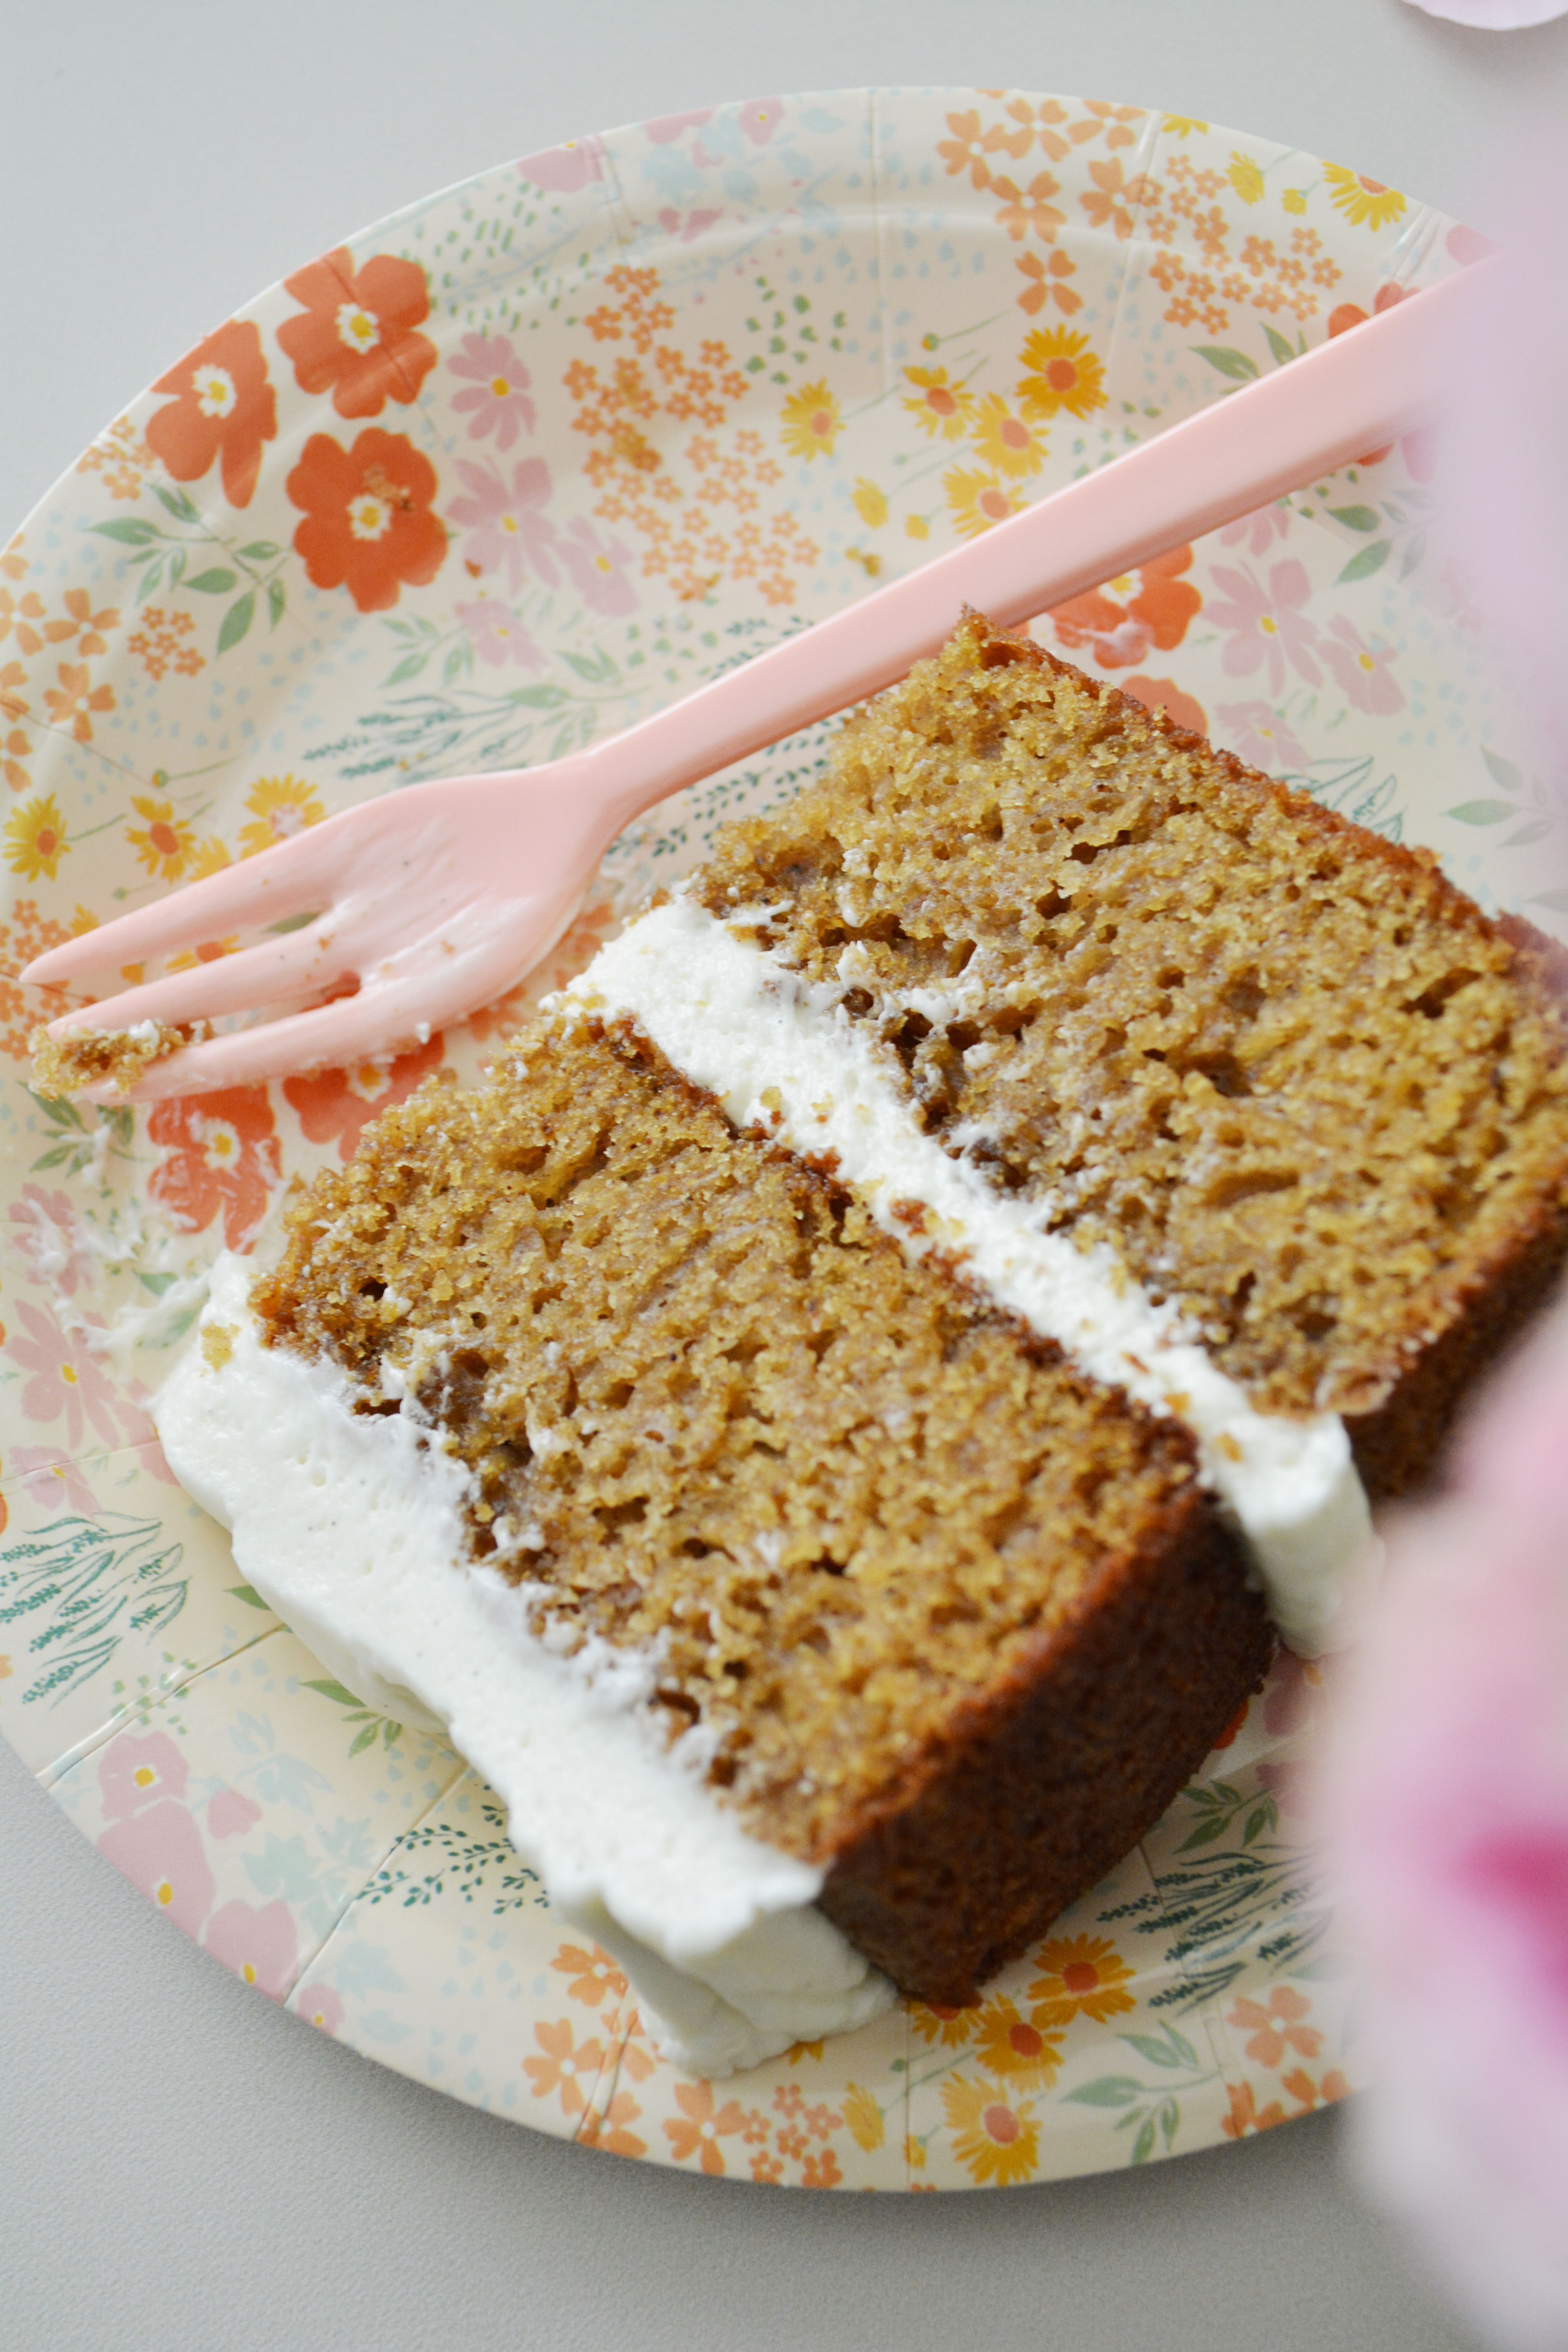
(940, 408)
(1079, 1973)
(1004, 442)
(950, 2027)
(870, 503)
(1245, 177)
(1063, 373)
(1180, 125)
(811, 421)
(1294, 200)
(917, 527)
(976, 500)
(36, 839)
(167, 845)
(914, 2153)
(5, 1668)
(1365, 203)
(212, 856)
(864, 2117)
(282, 806)
(1008, 2045)
(997, 2141)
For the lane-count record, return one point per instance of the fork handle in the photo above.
(1313, 415)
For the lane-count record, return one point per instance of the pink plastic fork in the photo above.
(438, 899)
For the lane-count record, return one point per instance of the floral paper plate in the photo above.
(487, 481)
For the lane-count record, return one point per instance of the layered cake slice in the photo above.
(822, 1426)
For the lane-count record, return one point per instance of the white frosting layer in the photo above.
(351, 1527)
(780, 1054)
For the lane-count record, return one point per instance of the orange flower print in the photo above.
(1046, 274)
(83, 619)
(223, 1160)
(701, 2126)
(609, 2131)
(1164, 694)
(1122, 621)
(163, 642)
(821, 2171)
(1113, 199)
(1062, 372)
(69, 704)
(22, 618)
(1310, 2095)
(1276, 2027)
(595, 1975)
(368, 525)
(1246, 2116)
(337, 1105)
(940, 408)
(996, 2141)
(572, 2072)
(1007, 2045)
(1026, 209)
(165, 846)
(1080, 1974)
(223, 408)
(356, 337)
(966, 151)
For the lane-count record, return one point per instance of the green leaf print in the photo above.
(1482, 812)
(1235, 364)
(237, 619)
(1370, 560)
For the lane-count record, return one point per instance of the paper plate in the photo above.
(467, 491)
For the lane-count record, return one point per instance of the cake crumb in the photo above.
(218, 1344)
(95, 1058)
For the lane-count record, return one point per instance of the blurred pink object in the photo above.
(1495, 15)
(1444, 1802)
(1443, 1794)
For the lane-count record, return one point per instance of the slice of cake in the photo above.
(813, 1427)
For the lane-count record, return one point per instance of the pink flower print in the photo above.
(669, 220)
(1267, 627)
(598, 568)
(668, 127)
(54, 1482)
(563, 170)
(1258, 529)
(160, 1851)
(498, 636)
(1255, 733)
(231, 1814)
(506, 524)
(761, 118)
(319, 2005)
(136, 1772)
(1362, 669)
(259, 1946)
(48, 1237)
(65, 1380)
(496, 400)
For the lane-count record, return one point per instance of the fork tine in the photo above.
(283, 881)
(231, 983)
(387, 1016)
(246, 1057)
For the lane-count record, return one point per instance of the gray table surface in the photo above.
(180, 2163)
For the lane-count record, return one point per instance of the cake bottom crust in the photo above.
(1042, 1787)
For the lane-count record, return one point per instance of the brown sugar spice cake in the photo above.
(957, 1622)
(905, 1292)
(1301, 1085)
